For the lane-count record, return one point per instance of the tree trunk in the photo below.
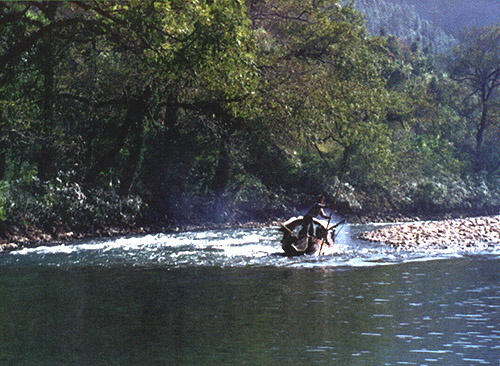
(221, 177)
(3, 147)
(46, 159)
(134, 158)
(160, 200)
(3, 162)
(135, 112)
(479, 164)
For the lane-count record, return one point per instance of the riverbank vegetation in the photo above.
(142, 113)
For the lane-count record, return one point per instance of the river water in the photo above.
(229, 298)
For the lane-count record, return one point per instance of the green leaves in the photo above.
(475, 63)
(323, 74)
(159, 97)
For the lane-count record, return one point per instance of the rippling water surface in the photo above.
(229, 298)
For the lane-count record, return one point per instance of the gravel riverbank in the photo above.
(466, 233)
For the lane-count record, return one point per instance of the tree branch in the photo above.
(23, 45)
(12, 17)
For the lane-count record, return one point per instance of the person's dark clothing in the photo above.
(307, 221)
(317, 209)
(307, 226)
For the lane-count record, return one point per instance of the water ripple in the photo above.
(223, 248)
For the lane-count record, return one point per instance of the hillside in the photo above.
(402, 20)
(435, 23)
(452, 15)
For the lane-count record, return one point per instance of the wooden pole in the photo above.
(287, 229)
(335, 198)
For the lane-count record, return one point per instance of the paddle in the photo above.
(328, 224)
(286, 228)
(337, 224)
(335, 198)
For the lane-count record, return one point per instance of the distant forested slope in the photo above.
(434, 23)
(454, 15)
(401, 19)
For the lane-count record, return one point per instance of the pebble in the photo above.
(476, 232)
(8, 247)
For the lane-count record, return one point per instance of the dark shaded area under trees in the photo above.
(141, 113)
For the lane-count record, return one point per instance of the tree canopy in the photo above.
(122, 113)
(475, 62)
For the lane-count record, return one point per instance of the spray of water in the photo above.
(222, 248)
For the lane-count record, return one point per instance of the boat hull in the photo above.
(293, 245)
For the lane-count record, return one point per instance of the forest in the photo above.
(136, 113)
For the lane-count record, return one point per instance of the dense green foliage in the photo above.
(125, 113)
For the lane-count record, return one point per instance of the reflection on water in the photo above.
(226, 298)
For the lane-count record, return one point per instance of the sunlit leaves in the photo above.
(323, 75)
(475, 63)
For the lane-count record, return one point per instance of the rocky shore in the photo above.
(460, 234)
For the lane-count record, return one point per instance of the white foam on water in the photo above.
(254, 250)
(123, 242)
(249, 239)
(229, 247)
(45, 250)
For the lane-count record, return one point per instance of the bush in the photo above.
(428, 196)
(251, 199)
(63, 203)
(475, 194)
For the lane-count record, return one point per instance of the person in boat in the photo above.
(316, 210)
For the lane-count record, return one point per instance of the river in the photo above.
(229, 298)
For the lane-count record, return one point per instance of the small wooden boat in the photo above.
(294, 244)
